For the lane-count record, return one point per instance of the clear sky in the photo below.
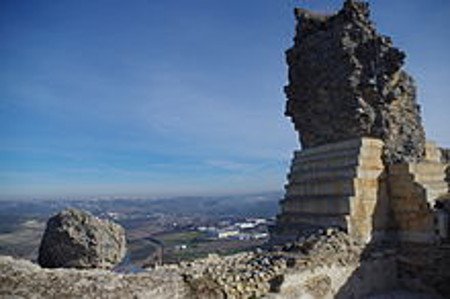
(161, 97)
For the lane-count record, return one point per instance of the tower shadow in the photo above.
(395, 259)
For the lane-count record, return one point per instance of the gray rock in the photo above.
(23, 279)
(346, 81)
(76, 239)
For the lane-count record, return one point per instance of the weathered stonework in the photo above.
(325, 264)
(346, 81)
(445, 152)
(365, 165)
(340, 184)
(384, 194)
(318, 264)
(413, 191)
(346, 185)
(425, 268)
(445, 155)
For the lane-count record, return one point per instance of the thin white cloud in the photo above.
(229, 165)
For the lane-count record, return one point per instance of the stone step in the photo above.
(369, 152)
(432, 152)
(321, 220)
(433, 184)
(428, 168)
(337, 173)
(311, 197)
(432, 189)
(421, 168)
(341, 146)
(350, 153)
(406, 182)
(429, 177)
(317, 205)
(348, 162)
(336, 187)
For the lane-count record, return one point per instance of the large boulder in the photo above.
(346, 81)
(77, 239)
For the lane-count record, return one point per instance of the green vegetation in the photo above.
(179, 238)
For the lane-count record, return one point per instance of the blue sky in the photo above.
(158, 97)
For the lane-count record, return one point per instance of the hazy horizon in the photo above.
(152, 98)
(145, 196)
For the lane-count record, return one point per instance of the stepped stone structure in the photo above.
(414, 191)
(336, 184)
(365, 165)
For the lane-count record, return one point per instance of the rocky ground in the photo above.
(401, 294)
(23, 279)
(244, 275)
(325, 264)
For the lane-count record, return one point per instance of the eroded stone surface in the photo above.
(23, 279)
(414, 189)
(445, 154)
(244, 275)
(347, 81)
(425, 268)
(335, 185)
(323, 264)
(76, 239)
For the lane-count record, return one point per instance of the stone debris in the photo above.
(252, 274)
(76, 239)
(243, 275)
(320, 264)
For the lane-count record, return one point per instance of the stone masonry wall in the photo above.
(414, 189)
(347, 81)
(446, 159)
(335, 185)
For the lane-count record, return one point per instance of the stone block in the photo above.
(334, 185)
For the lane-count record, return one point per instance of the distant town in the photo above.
(158, 230)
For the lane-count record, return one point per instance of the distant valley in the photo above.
(158, 230)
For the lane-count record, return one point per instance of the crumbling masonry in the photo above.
(346, 81)
(365, 165)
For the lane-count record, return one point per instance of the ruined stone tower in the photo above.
(346, 81)
(365, 164)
